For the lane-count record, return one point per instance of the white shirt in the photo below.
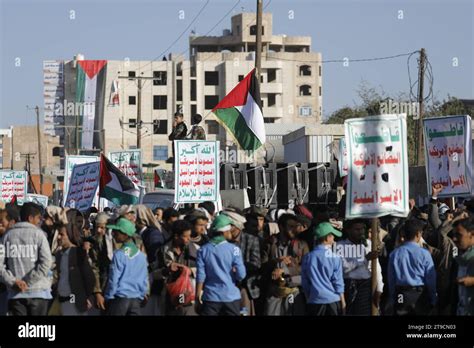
(354, 263)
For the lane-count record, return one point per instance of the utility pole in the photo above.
(139, 114)
(258, 42)
(419, 133)
(28, 170)
(12, 154)
(76, 131)
(375, 244)
(139, 103)
(39, 149)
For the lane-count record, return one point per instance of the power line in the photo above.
(215, 25)
(179, 37)
(248, 25)
(341, 60)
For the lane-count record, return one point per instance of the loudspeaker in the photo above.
(261, 180)
(322, 178)
(293, 183)
(233, 176)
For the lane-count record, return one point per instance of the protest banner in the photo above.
(82, 188)
(377, 182)
(71, 161)
(13, 183)
(197, 171)
(448, 154)
(342, 160)
(38, 199)
(130, 163)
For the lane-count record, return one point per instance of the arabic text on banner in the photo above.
(83, 186)
(377, 182)
(71, 161)
(13, 183)
(448, 154)
(197, 171)
(129, 162)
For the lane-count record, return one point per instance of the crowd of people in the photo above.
(132, 260)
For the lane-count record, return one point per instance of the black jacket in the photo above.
(81, 277)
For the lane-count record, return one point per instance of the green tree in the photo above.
(370, 102)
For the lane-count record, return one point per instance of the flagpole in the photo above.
(258, 42)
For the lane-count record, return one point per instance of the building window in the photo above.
(305, 70)
(212, 127)
(193, 109)
(57, 151)
(132, 123)
(160, 77)
(160, 153)
(179, 69)
(193, 90)
(160, 126)
(271, 99)
(131, 74)
(305, 90)
(253, 30)
(241, 77)
(132, 100)
(305, 111)
(320, 91)
(271, 75)
(179, 90)
(320, 70)
(160, 102)
(132, 147)
(210, 101)
(211, 78)
(269, 120)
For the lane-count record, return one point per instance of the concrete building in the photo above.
(5, 145)
(291, 87)
(20, 151)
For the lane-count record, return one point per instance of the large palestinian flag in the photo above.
(90, 90)
(116, 186)
(240, 112)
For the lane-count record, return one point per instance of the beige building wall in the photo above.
(231, 56)
(25, 141)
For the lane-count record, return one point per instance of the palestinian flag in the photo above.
(240, 113)
(90, 92)
(116, 186)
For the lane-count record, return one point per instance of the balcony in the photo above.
(271, 87)
(272, 111)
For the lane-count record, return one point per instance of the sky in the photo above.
(35, 30)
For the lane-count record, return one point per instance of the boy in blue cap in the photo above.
(322, 275)
(127, 285)
(219, 267)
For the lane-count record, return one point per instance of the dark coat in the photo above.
(250, 248)
(81, 276)
(153, 240)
